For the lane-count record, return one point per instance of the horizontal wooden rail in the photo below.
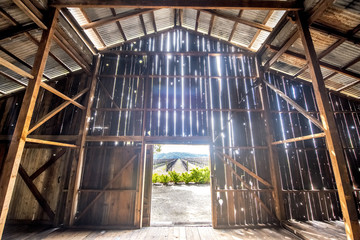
(40, 141)
(15, 69)
(307, 137)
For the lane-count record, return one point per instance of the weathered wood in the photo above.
(15, 69)
(116, 18)
(245, 169)
(105, 188)
(33, 189)
(17, 30)
(273, 158)
(235, 26)
(211, 25)
(295, 105)
(82, 142)
(13, 158)
(12, 79)
(200, 4)
(114, 138)
(302, 138)
(333, 141)
(143, 24)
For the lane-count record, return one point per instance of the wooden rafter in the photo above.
(197, 20)
(15, 69)
(13, 158)
(113, 12)
(333, 141)
(46, 142)
(143, 24)
(239, 20)
(259, 31)
(115, 18)
(32, 12)
(211, 25)
(153, 21)
(235, 26)
(200, 4)
(94, 29)
(17, 30)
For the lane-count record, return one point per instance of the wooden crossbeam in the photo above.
(48, 163)
(36, 17)
(154, 21)
(307, 137)
(94, 29)
(199, 4)
(118, 174)
(46, 142)
(56, 110)
(211, 25)
(114, 138)
(15, 69)
(197, 20)
(335, 33)
(239, 20)
(295, 105)
(235, 26)
(116, 18)
(333, 140)
(142, 23)
(108, 94)
(266, 19)
(33, 189)
(13, 158)
(245, 169)
(59, 94)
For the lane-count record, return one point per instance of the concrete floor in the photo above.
(181, 204)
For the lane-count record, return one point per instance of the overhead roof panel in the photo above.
(243, 34)
(222, 28)
(164, 18)
(189, 18)
(132, 27)
(343, 54)
(204, 22)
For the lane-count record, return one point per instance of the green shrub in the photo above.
(155, 178)
(174, 176)
(186, 177)
(195, 175)
(205, 175)
(164, 178)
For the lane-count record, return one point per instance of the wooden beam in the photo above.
(235, 26)
(295, 105)
(273, 157)
(113, 138)
(56, 110)
(15, 69)
(239, 20)
(94, 29)
(13, 158)
(82, 142)
(335, 33)
(46, 142)
(259, 31)
(61, 95)
(116, 18)
(35, 192)
(119, 25)
(79, 31)
(16, 30)
(211, 25)
(153, 21)
(36, 18)
(48, 163)
(333, 141)
(197, 20)
(200, 4)
(245, 169)
(142, 23)
(302, 138)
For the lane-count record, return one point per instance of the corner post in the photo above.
(13, 158)
(333, 141)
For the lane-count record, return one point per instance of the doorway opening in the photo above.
(181, 192)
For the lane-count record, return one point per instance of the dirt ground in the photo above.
(181, 204)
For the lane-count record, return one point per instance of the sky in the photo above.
(199, 149)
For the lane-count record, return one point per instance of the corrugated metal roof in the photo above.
(189, 18)
(204, 22)
(343, 54)
(243, 35)
(222, 28)
(110, 34)
(164, 19)
(254, 15)
(132, 27)
(284, 34)
(148, 18)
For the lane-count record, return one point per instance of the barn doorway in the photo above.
(181, 192)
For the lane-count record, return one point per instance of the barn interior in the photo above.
(88, 87)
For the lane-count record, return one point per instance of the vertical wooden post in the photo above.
(273, 160)
(333, 140)
(13, 158)
(82, 142)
